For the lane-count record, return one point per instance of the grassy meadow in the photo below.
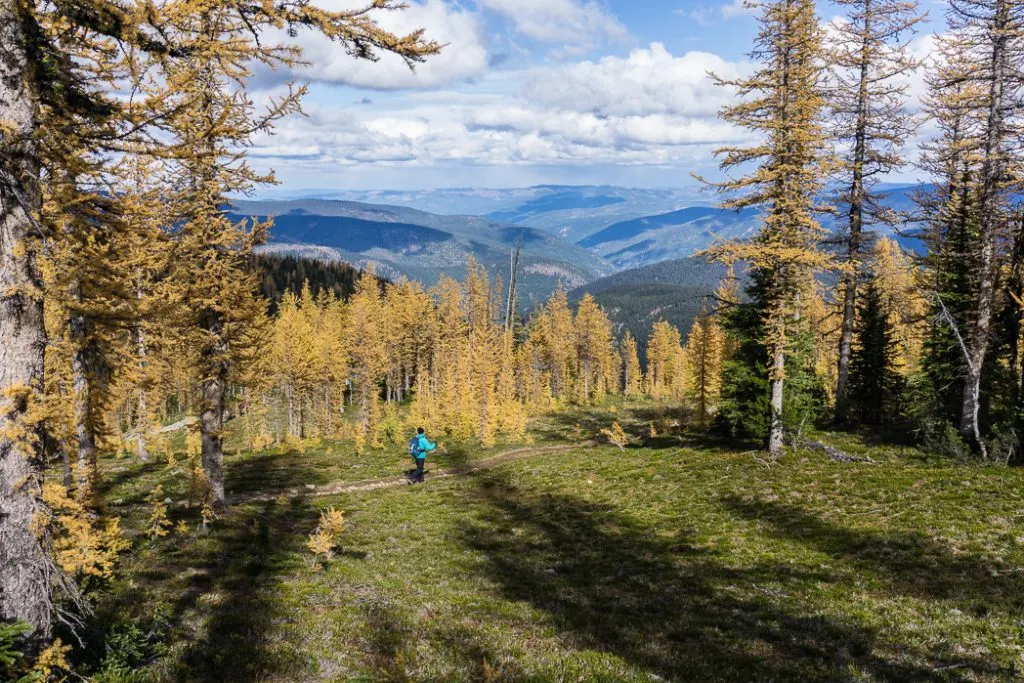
(675, 559)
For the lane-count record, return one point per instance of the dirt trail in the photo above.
(337, 487)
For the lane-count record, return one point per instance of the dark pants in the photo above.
(420, 463)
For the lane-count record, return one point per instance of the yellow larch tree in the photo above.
(783, 103)
(558, 343)
(632, 374)
(483, 351)
(597, 362)
(704, 349)
(534, 374)
(665, 362)
(449, 380)
(364, 338)
(294, 358)
(333, 353)
(511, 411)
(899, 286)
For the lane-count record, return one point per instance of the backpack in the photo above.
(414, 446)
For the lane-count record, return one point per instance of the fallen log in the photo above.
(832, 452)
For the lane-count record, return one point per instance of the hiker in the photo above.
(418, 449)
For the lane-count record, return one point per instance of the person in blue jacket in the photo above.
(418, 449)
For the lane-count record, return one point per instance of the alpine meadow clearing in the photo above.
(672, 559)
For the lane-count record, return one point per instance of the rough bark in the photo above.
(991, 173)
(211, 427)
(775, 437)
(974, 428)
(25, 579)
(84, 368)
(142, 407)
(854, 238)
(211, 408)
(1015, 326)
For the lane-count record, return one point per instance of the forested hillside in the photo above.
(281, 274)
(675, 291)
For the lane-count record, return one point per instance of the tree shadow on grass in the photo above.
(274, 471)
(233, 589)
(131, 483)
(674, 427)
(390, 636)
(216, 594)
(387, 640)
(219, 591)
(662, 604)
(270, 470)
(587, 425)
(910, 563)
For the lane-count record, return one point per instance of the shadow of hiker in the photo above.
(910, 563)
(661, 603)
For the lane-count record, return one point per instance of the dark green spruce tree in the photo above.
(876, 386)
(745, 408)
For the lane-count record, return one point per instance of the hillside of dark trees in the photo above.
(282, 273)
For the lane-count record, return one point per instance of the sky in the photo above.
(525, 92)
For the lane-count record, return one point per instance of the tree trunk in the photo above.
(211, 426)
(1015, 286)
(84, 366)
(328, 413)
(856, 227)
(778, 373)
(586, 379)
(142, 408)
(25, 569)
(991, 173)
(290, 393)
(510, 306)
(702, 369)
(141, 425)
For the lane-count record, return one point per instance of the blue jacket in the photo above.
(423, 446)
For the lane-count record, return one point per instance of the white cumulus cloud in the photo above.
(569, 22)
(463, 57)
(649, 108)
(737, 8)
(649, 80)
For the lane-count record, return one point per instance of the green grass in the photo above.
(676, 560)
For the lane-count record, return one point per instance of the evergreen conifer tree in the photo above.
(876, 385)
(783, 102)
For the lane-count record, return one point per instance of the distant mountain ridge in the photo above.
(684, 232)
(570, 211)
(668, 236)
(405, 242)
(569, 234)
